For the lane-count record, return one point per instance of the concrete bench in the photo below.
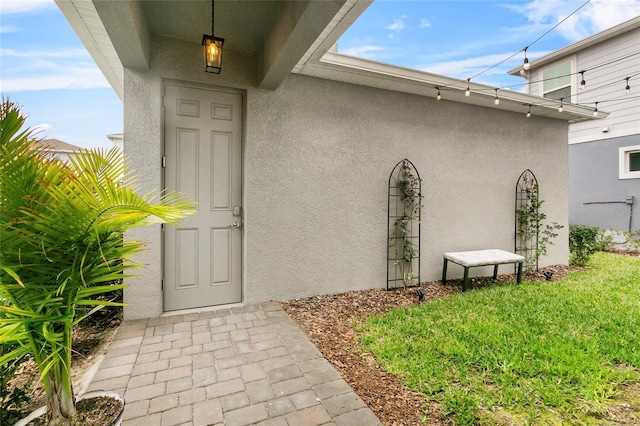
(469, 259)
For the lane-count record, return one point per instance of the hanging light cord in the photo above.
(556, 25)
(534, 42)
(213, 11)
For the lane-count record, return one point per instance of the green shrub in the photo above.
(604, 240)
(583, 242)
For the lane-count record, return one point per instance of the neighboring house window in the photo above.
(630, 162)
(556, 82)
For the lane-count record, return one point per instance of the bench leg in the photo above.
(466, 278)
(495, 272)
(444, 272)
(519, 272)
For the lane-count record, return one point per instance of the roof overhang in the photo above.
(348, 69)
(571, 49)
(286, 36)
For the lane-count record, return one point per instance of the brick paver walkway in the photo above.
(238, 366)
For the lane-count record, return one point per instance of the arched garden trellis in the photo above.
(527, 225)
(403, 233)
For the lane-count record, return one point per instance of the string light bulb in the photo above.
(468, 91)
(628, 88)
(529, 112)
(496, 101)
(438, 96)
(561, 108)
(583, 83)
(526, 64)
(595, 111)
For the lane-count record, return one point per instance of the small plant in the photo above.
(534, 235)
(604, 240)
(406, 251)
(583, 242)
(62, 248)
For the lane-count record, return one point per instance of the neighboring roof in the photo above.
(571, 49)
(57, 145)
(288, 37)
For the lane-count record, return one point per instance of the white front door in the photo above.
(203, 255)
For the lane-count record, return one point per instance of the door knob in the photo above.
(236, 225)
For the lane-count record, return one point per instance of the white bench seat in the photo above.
(469, 259)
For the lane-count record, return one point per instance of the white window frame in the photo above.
(573, 85)
(623, 162)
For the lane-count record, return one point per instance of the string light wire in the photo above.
(534, 42)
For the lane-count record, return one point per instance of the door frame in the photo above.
(243, 126)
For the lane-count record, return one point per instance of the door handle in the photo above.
(236, 225)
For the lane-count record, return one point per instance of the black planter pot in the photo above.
(92, 394)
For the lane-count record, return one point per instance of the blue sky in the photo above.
(45, 68)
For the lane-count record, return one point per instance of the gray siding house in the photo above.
(289, 149)
(604, 155)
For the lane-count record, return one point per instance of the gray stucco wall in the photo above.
(594, 177)
(317, 157)
(317, 161)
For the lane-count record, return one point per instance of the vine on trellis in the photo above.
(532, 235)
(404, 208)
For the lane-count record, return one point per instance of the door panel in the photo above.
(203, 255)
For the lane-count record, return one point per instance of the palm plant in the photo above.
(61, 230)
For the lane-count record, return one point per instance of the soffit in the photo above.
(243, 24)
(348, 69)
(84, 19)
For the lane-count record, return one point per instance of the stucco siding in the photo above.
(594, 178)
(318, 158)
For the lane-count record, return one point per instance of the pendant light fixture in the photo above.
(212, 48)
(526, 65)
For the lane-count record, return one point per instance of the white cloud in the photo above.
(42, 128)
(362, 51)
(83, 76)
(397, 25)
(8, 29)
(8, 7)
(465, 68)
(425, 23)
(596, 16)
(53, 54)
(70, 68)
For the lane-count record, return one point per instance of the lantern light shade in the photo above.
(212, 53)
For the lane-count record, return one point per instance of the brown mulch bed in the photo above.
(330, 320)
(624, 252)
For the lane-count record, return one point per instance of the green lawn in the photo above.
(535, 353)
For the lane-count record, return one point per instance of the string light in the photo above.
(438, 96)
(583, 83)
(496, 100)
(561, 105)
(526, 64)
(595, 111)
(468, 91)
(628, 88)
(529, 112)
(535, 41)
